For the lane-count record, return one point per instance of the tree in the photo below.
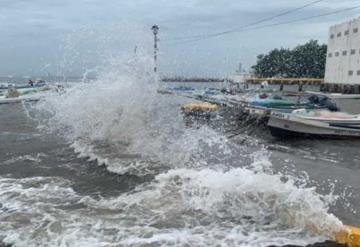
(306, 60)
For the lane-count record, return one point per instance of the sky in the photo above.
(71, 36)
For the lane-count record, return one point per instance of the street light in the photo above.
(155, 30)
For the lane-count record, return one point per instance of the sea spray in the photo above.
(206, 190)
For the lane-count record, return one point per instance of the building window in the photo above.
(332, 36)
(358, 72)
(336, 54)
(330, 55)
(355, 30)
(346, 32)
(344, 53)
(351, 72)
(353, 51)
(339, 34)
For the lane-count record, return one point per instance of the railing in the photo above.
(276, 80)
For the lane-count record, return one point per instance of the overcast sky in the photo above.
(47, 36)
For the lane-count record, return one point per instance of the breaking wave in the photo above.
(180, 207)
(206, 191)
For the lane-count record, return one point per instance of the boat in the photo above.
(284, 103)
(263, 100)
(26, 98)
(198, 112)
(335, 95)
(334, 118)
(263, 105)
(23, 95)
(37, 84)
(182, 89)
(199, 107)
(329, 125)
(32, 90)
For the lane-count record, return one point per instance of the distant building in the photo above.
(240, 75)
(239, 71)
(343, 53)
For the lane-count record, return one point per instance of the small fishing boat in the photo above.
(323, 125)
(279, 102)
(38, 84)
(333, 118)
(335, 95)
(198, 112)
(264, 105)
(25, 98)
(182, 89)
(199, 108)
(23, 95)
(263, 100)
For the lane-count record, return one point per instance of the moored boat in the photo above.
(335, 95)
(333, 118)
(293, 125)
(260, 105)
(37, 84)
(26, 98)
(14, 95)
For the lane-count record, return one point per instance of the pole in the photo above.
(155, 30)
(155, 53)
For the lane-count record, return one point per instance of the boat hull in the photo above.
(335, 95)
(17, 100)
(285, 126)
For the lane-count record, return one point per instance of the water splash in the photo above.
(206, 190)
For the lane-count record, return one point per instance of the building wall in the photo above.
(343, 53)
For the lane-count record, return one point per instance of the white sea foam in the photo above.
(181, 207)
(28, 158)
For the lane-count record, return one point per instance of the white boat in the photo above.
(335, 95)
(293, 125)
(24, 95)
(333, 118)
(22, 98)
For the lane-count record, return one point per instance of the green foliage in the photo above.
(306, 60)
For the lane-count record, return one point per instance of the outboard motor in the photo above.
(313, 99)
(324, 102)
(328, 104)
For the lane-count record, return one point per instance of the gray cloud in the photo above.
(35, 30)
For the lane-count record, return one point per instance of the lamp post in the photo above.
(155, 30)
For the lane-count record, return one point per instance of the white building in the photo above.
(343, 53)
